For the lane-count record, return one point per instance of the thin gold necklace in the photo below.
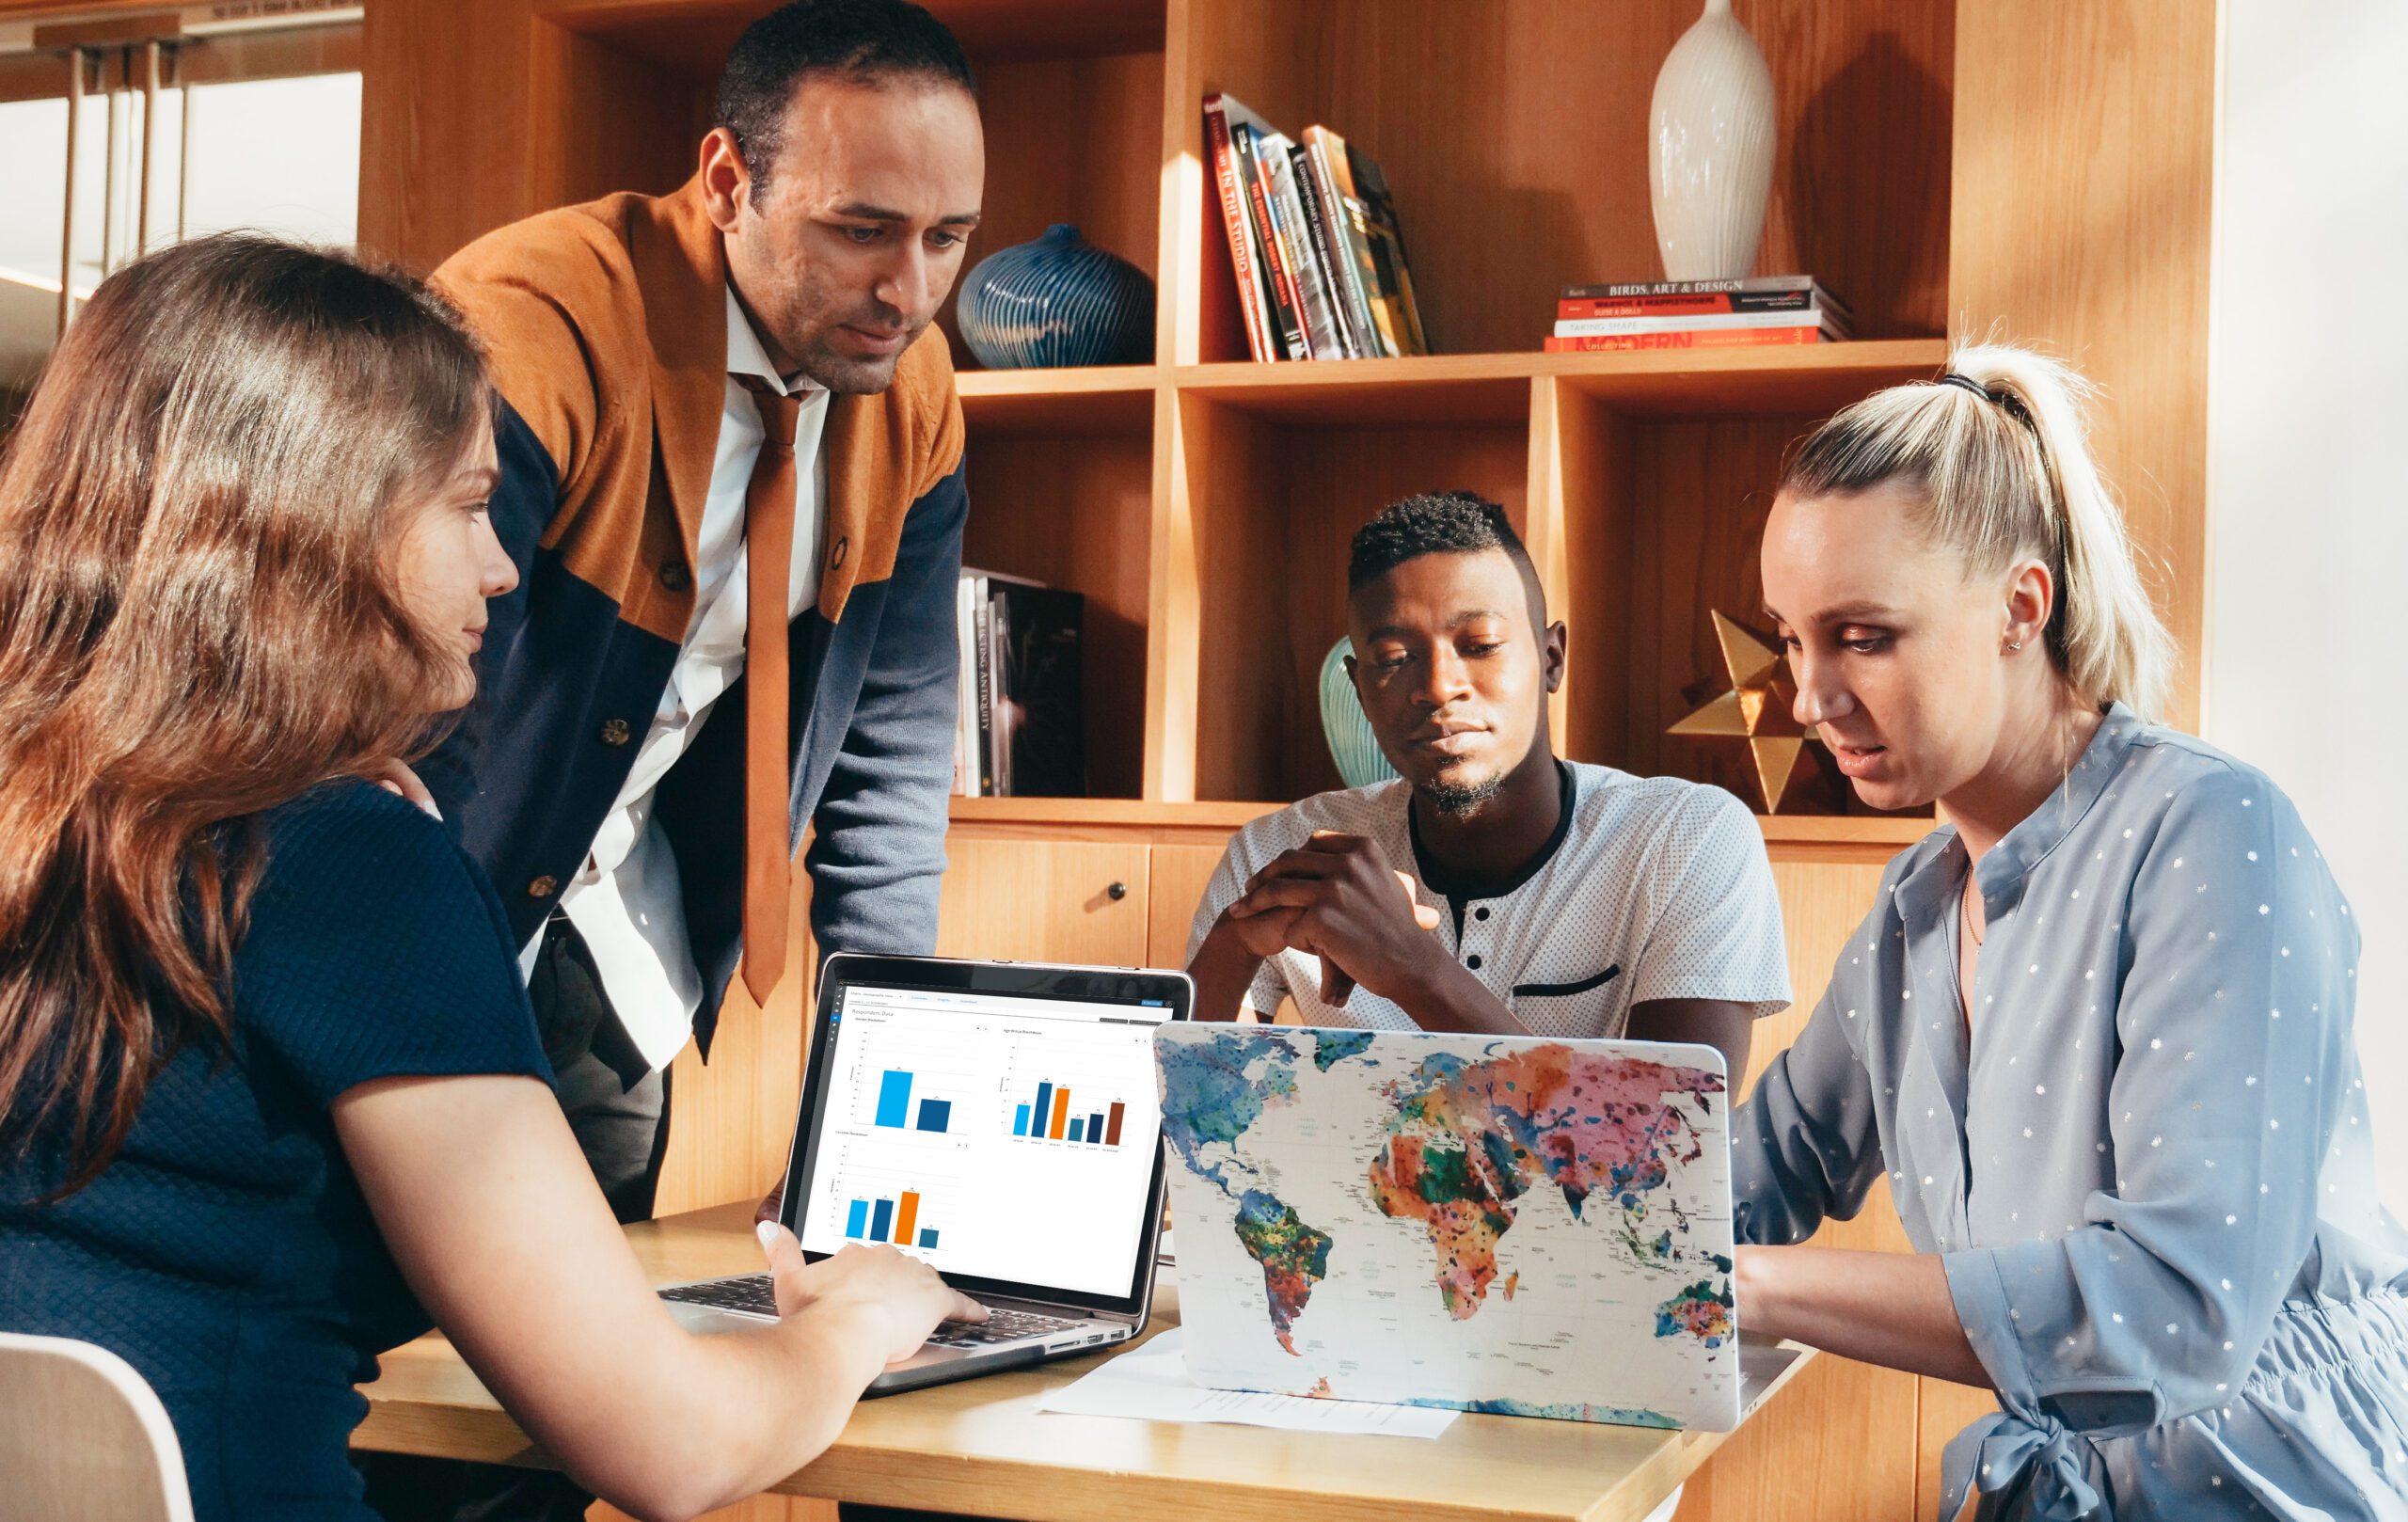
(1965, 913)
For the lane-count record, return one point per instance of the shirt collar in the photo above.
(746, 356)
(2025, 846)
(1449, 885)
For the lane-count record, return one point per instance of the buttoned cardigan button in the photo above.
(674, 576)
(542, 887)
(614, 732)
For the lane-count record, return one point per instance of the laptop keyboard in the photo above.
(752, 1294)
(749, 1293)
(1001, 1325)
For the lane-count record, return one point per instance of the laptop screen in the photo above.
(1008, 1136)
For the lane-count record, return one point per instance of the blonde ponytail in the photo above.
(2005, 467)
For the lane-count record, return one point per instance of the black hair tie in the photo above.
(1952, 378)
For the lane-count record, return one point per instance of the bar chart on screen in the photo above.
(1050, 1116)
(895, 1203)
(1003, 1138)
(895, 1108)
(1071, 1086)
(897, 1220)
(915, 1086)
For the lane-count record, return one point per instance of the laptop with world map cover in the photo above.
(1514, 1225)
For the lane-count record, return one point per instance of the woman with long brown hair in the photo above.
(268, 1081)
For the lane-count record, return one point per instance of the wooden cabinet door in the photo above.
(1179, 875)
(1038, 901)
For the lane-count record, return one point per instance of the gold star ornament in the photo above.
(1757, 709)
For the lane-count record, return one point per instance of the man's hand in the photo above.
(1263, 935)
(1336, 898)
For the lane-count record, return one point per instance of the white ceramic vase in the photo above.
(1709, 149)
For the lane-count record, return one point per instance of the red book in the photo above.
(1218, 109)
(1731, 338)
(1576, 308)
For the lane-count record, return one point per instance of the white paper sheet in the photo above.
(1151, 1384)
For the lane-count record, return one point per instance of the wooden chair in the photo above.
(86, 1440)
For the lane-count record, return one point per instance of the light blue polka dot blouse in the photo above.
(2150, 1177)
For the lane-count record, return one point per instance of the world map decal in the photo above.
(1480, 1231)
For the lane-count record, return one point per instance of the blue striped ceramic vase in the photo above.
(1058, 301)
(1351, 744)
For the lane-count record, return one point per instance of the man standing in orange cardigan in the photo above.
(731, 482)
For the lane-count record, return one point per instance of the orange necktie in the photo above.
(768, 540)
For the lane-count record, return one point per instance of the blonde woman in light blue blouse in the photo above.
(2098, 1028)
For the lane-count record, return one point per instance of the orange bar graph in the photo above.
(1061, 1111)
(905, 1221)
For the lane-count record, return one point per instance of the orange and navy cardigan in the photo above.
(605, 328)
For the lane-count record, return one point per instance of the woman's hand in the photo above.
(909, 1295)
(402, 782)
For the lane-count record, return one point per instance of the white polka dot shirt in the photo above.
(2148, 1174)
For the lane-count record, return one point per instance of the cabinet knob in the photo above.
(1117, 892)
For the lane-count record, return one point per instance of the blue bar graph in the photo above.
(1094, 1129)
(928, 1236)
(934, 1114)
(1020, 1122)
(894, 1098)
(881, 1220)
(856, 1217)
(1077, 1127)
(1044, 1108)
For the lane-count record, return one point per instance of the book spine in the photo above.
(1705, 304)
(1331, 226)
(965, 691)
(1690, 288)
(982, 614)
(1233, 219)
(1744, 338)
(1286, 309)
(1296, 250)
(1589, 327)
(1315, 233)
(1403, 310)
(999, 661)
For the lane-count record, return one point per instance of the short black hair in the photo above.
(861, 40)
(1439, 523)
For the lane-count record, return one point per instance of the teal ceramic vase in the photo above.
(1351, 744)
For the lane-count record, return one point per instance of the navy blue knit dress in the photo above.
(226, 1253)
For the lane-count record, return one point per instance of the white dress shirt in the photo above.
(625, 902)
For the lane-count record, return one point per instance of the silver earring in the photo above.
(2014, 645)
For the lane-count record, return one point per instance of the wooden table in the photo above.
(981, 1446)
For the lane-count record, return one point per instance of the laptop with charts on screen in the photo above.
(997, 1120)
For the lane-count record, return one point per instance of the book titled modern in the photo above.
(1773, 310)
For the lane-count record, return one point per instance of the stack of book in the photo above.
(1313, 232)
(1697, 314)
(1020, 730)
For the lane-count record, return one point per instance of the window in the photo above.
(256, 124)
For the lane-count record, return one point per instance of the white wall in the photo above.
(2306, 663)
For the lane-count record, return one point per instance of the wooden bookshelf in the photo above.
(1947, 165)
